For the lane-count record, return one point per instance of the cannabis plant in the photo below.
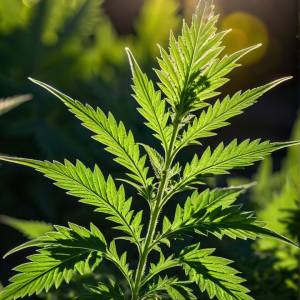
(276, 199)
(190, 74)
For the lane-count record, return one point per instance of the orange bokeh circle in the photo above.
(247, 30)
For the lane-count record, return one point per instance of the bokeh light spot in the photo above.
(49, 38)
(30, 2)
(247, 30)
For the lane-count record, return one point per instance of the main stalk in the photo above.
(155, 214)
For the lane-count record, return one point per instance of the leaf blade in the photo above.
(90, 186)
(107, 133)
(216, 117)
(212, 274)
(62, 253)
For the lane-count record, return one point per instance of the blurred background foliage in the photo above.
(275, 199)
(77, 46)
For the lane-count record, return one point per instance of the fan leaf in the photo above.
(212, 212)
(212, 274)
(216, 116)
(115, 137)
(62, 253)
(91, 187)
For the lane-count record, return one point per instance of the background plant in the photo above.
(188, 76)
(88, 52)
(276, 200)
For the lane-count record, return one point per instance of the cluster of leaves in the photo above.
(59, 49)
(276, 199)
(61, 42)
(284, 188)
(190, 74)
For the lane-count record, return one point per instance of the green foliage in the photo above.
(61, 253)
(153, 26)
(12, 102)
(14, 14)
(217, 115)
(174, 288)
(212, 212)
(94, 190)
(105, 291)
(276, 199)
(61, 42)
(212, 273)
(30, 229)
(101, 55)
(282, 212)
(189, 74)
(282, 187)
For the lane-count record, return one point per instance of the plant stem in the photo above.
(155, 214)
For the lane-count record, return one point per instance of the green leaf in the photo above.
(153, 108)
(162, 265)
(175, 289)
(216, 116)
(9, 103)
(212, 77)
(156, 160)
(213, 212)
(212, 274)
(166, 224)
(103, 291)
(115, 137)
(191, 72)
(223, 159)
(121, 263)
(180, 69)
(63, 252)
(179, 292)
(30, 229)
(91, 187)
(280, 208)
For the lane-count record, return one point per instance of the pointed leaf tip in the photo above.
(32, 79)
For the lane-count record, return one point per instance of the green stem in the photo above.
(154, 215)
(170, 155)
